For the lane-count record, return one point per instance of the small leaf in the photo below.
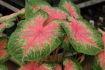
(70, 64)
(36, 66)
(71, 8)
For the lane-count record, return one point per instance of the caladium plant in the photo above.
(83, 37)
(71, 8)
(42, 39)
(33, 37)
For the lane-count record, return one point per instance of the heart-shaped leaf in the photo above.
(83, 37)
(32, 40)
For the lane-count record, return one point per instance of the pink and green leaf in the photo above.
(101, 57)
(83, 37)
(71, 8)
(29, 11)
(70, 64)
(36, 66)
(32, 40)
(54, 13)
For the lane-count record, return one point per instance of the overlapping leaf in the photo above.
(83, 37)
(70, 64)
(71, 8)
(37, 66)
(54, 13)
(100, 58)
(32, 40)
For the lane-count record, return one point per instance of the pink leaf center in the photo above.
(81, 33)
(70, 8)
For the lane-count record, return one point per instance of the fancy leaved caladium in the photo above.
(3, 52)
(37, 66)
(70, 64)
(32, 40)
(54, 13)
(71, 8)
(83, 37)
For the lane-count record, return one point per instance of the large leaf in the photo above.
(83, 37)
(32, 40)
(71, 8)
(70, 64)
(37, 66)
(54, 13)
